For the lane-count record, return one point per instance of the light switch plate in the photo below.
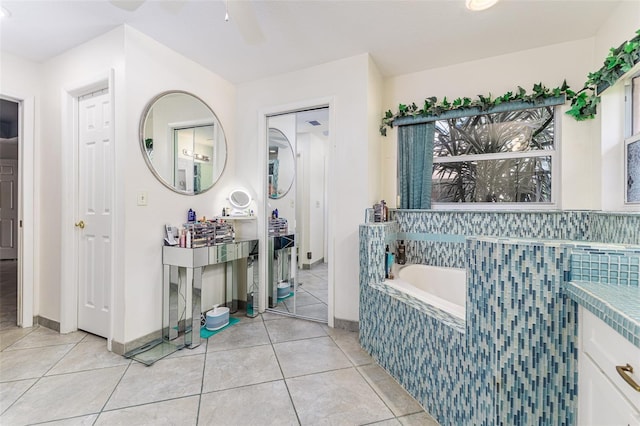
(142, 198)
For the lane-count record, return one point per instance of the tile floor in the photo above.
(311, 295)
(268, 370)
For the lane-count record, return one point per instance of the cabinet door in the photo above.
(600, 402)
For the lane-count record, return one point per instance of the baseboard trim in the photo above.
(47, 323)
(346, 324)
(306, 266)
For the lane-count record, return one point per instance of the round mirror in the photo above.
(239, 199)
(183, 142)
(282, 168)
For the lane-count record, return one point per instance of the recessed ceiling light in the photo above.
(477, 5)
(4, 13)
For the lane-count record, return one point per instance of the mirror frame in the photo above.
(145, 155)
(294, 162)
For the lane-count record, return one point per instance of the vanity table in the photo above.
(182, 289)
(193, 260)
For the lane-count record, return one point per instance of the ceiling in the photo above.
(266, 37)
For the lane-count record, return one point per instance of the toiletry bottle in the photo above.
(386, 262)
(191, 216)
(183, 239)
(402, 253)
(384, 211)
(390, 261)
(188, 239)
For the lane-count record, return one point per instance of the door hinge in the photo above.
(20, 223)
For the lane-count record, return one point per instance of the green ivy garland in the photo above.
(583, 103)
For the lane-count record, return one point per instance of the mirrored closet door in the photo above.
(297, 271)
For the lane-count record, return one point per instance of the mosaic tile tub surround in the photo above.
(436, 237)
(424, 354)
(514, 362)
(522, 334)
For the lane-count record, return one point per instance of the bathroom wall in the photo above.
(497, 75)
(311, 196)
(346, 84)
(150, 69)
(20, 78)
(591, 170)
(142, 69)
(77, 67)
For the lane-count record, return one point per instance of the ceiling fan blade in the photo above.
(173, 6)
(241, 13)
(128, 5)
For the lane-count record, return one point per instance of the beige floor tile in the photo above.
(287, 329)
(309, 356)
(348, 342)
(42, 336)
(30, 363)
(239, 336)
(11, 335)
(263, 404)
(166, 379)
(64, 396)
(317, 311)
(75, 421)
(240, 367)
(340, 397)
(418, 419)
(390, 422)
(87, 356)
(394, 395)
(11, 391)
(181, 411)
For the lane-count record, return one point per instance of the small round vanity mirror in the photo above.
(282, 168)
(240, 200)
(182, 142)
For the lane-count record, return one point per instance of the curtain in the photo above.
(415, 165)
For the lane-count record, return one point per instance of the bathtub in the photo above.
(443, 288)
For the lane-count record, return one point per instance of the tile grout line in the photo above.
(284, 380)
(204, 369)
(114, 390)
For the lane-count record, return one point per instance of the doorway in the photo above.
(297, 214)
(94, 223)
(9, 201)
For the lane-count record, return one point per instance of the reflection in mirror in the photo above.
(281, 164)
(240, 201)
(183, 142)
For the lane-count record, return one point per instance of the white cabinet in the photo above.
(604, 397)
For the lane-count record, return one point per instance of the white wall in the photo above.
(346, 84)
(498, 75)
(79, 66)
(620, 26)
(311, 196)
(143, 68)
(153, 68)
(21, 79)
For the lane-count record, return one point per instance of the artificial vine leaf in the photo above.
(584, 103)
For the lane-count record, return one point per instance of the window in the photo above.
(632, 141)
(504, 157)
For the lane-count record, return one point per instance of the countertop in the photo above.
(617, 305)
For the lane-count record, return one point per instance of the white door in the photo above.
(8, 209)
(94, 225)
